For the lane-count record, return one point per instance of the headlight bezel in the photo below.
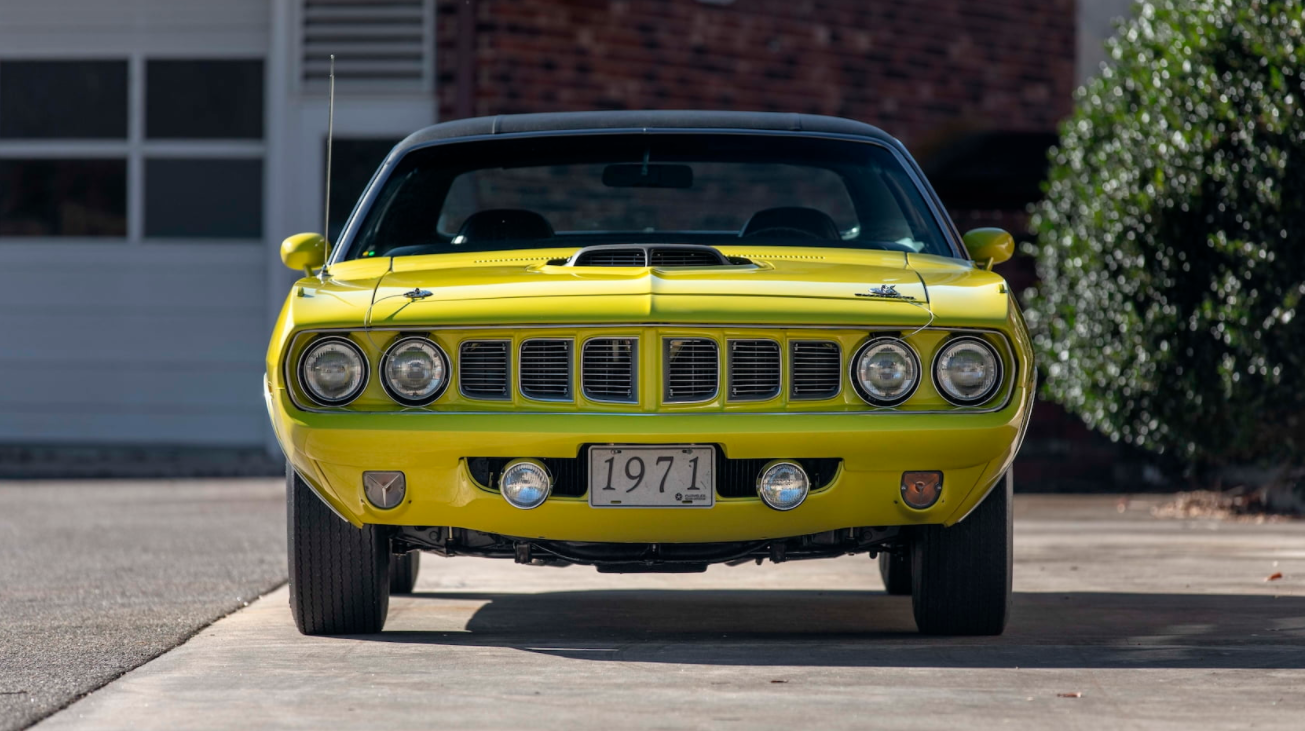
(773, 465)
(305, 385)
(987, 395)
(528, 464)
(393, 392)
(855, 362)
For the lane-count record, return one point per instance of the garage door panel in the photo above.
(72, 387)
(133, 344)
(156, 428)
(194, 285)
(159, 338)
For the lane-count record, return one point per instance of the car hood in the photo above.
(789, 286)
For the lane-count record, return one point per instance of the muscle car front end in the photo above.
(759, 337)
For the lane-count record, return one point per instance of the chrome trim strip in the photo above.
(624, 325)
(507, 351)
(382, 175)
(570, 372)
(865, 412)
(317, 493)
(362, 385)
(666, 369)
(634, 370)
(933, 371)
(856, 382)
(793, 370)
(729, 369)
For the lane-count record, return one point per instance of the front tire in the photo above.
(339, 574)
(961, 576)
(403, 572)
(895, 570)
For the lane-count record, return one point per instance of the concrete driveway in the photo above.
(98, 577)
(1121, 621)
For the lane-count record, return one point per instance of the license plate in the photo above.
(652, 477)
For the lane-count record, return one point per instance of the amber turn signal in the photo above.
(920, 490)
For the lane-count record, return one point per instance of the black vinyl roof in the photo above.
(546, 123)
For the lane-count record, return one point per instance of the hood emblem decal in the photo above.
(885, 291)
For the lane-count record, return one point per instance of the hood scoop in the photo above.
(653, 255)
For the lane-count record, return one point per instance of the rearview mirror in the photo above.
(989, 246)
(304, 252)
(643, 175)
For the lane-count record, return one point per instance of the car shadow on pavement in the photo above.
(859, 629)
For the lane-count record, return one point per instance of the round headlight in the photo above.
(333, 371)
(414, 371)
(885, 372)
(967, 371)
(783, 485)
(525, 484)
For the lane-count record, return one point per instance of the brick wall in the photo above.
(924, 70)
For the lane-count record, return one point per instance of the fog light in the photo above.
(525, 483)
(920, 490)
(384, 489)
(783, 485)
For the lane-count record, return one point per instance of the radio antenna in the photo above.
(330, 134)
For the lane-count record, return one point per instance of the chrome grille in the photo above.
(612, 258)
(692, 370)
(545, 369)
(608, 371)
(817, 369)
(753, 370)
(483, 369)
(685, 257)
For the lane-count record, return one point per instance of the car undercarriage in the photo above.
(632, 558)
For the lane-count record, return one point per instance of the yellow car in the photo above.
(650, 342)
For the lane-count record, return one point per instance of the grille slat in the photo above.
(484, 369)
(683, 258)
(685, 255)
(608, 371)
(817, 367)
(754, 367)
(692, 370)
(546, 369)
(612, 258)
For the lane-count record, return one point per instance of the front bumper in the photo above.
(331, 451)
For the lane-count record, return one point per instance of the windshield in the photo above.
(574, 191)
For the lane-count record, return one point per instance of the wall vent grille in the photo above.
(385, 45)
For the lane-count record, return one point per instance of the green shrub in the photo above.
(1171, 243)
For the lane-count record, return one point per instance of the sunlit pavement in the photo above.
(1120, 621)
(100, 576)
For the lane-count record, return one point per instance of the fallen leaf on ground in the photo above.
(1273, 576)
(1069, 695)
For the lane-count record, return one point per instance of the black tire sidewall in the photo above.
(339, 574)
(961, 575)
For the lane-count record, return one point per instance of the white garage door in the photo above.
(133, 246)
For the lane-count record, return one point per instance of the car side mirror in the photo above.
(304, 252)
(989, 246)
